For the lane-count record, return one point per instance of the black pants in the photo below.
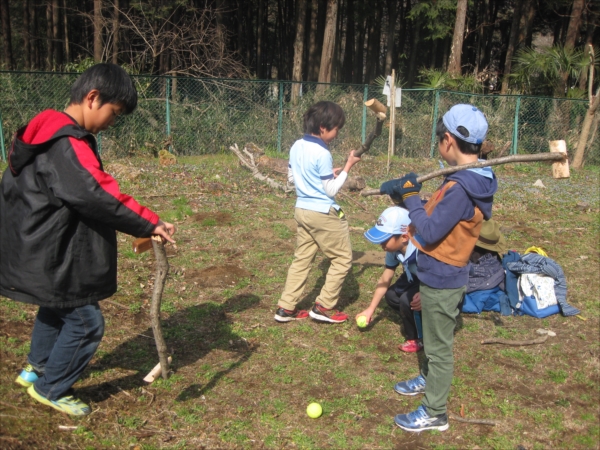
(398, 297)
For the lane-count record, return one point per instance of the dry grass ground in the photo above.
(241, 380)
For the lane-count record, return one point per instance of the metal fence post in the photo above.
(168, 111)
(435, 120)
(364, 115)
(2, 139)
(515, 137)
(280, 118)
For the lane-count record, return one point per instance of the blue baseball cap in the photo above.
(391, 222)
(469, 117)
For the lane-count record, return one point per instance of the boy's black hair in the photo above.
(323, 114)
(113, 83)
(464, 146)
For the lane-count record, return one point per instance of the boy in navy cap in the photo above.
(445, 231)
(391, 232)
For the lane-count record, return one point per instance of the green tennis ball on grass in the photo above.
(314, 410)
(361, 321)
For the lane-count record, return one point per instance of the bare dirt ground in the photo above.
(241, 380)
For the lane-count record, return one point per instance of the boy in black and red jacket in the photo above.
(59, 212)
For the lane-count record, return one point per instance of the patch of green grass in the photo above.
(235, 431)
(558, 376)
(525, 358)
(282, 231)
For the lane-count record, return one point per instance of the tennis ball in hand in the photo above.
(361, 321)
(314, 410)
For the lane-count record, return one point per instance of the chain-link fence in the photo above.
(195, 116)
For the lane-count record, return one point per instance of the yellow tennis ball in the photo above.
(361, 321)
(314, 410)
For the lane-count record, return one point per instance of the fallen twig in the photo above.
(110, 302)
(456, 418)
(248, 161)
(539, 340)
(347, 197)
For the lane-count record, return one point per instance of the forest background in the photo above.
(506, 46)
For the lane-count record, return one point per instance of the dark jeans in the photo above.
(398, 297)
(63, 342)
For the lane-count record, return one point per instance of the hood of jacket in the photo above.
(481, 185)
(39, 134)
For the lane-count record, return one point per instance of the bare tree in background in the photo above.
(184, 42)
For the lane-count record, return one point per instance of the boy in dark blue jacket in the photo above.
(445, 231)
(59, 212)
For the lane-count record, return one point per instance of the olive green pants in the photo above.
(330, 234)
(439, 310)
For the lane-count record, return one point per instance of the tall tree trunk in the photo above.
(350, 43)
(67, 52)
(98, 30)
(116, 27)
(36, 63)
(260, 41)
(313, 48)
(298, 49)
(56, 33)
(392, 8)
(7, 54)
(414, 51)
(454, 66)
(512, 44)
(574, 23)
(326, 66)
(26, 34)
(374, 43)
(525, 24)
(358, 72)
(49, 40)
(484, 20)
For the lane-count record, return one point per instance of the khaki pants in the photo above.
(330, 234)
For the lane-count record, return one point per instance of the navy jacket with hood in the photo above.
(472, 188)
(58, 214)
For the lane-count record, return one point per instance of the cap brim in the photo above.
(377, 237)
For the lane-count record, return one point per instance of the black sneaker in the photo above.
(327, 315)
(285, 315)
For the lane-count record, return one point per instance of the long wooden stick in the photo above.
(162, 269)
(491, 162)
(474, 421)
(539, 340)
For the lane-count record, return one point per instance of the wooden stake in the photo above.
(560, 169)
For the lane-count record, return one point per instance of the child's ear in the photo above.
(91, 97)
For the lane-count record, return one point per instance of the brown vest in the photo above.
(456, 247)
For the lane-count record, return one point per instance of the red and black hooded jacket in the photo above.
(58, 214)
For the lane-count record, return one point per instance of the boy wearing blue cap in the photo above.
(391, 232)
(445, 231)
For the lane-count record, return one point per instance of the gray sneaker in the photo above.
(411, 387)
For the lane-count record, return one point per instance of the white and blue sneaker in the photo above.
(27, 377)
(420, 420)
(411, 387)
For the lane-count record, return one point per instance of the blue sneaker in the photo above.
(411, 387)
(27, 377)
(420, 420)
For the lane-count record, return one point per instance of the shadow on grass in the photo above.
(350, 289)
(190, 335)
